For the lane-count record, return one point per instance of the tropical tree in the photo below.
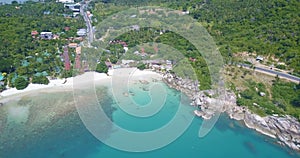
(21, 83)
(40, 80)
(101, 67)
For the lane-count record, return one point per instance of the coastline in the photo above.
(259, 130)
(59, 85)
(32, 87)
(285, 129)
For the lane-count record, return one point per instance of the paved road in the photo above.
(280, 74)
(90, 34)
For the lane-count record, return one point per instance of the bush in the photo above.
(40, 80)
(21, 83)
(248, 94)
(101, 67)
(283, 67)
(296, 102)
(141, 66)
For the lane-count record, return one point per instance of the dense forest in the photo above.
(270, 29)
(23, 55)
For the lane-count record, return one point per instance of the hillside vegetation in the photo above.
(270, 29)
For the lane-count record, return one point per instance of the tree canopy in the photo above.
(101, 67)
(21, 83)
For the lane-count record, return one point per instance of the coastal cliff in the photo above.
(285, 129)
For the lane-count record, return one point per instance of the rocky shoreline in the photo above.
(285, 129)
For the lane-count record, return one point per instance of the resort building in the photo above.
(46, 35)
(73, 45)
(65, 1)
(81, 32)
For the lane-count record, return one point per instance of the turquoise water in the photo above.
(64, 136)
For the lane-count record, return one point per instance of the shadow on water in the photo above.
(250, 146)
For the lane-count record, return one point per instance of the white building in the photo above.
(46, 35)
(127, 62)
(73, 7)
(259, 58)
(65, 1)
(81, 32)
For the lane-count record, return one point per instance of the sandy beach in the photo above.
(67, 84)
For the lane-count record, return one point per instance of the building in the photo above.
(64, 1)
(81, 32)
(108, 64)
(117, 66)
(47, 12)
(73, 7)
(55, 36)
(135, 27)
(75, 14)
(154, 62)
(46, 35)
(127, 62)
(78, 38)
(89, 14)
(34, 33)
(168, 62)
(67, 28)
(259, 58)
(185, 12)
(73, 45)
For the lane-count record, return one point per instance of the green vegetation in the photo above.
(260, 28)
(25, 55)
(268, 28)
(101, 67)
(21, 83)
(287, 95)
(263, 94)
(141, 66)
(135, 38)
(261, 104)
(40, 80)
(283, 99)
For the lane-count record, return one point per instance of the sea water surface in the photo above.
(47, 125)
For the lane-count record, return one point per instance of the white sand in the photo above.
(58, 83)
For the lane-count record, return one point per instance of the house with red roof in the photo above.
(34, 33)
